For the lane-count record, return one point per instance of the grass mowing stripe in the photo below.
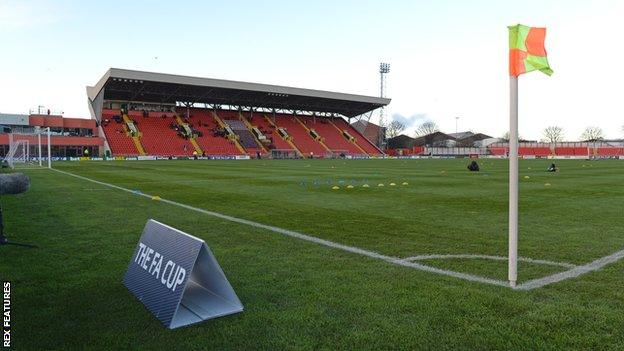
(305, 296)
(356, 250)
(531, 284)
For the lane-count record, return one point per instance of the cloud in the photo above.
(410, 121)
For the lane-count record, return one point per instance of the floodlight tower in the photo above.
(384, 69)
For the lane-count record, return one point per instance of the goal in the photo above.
(280, 154)
(25, 150)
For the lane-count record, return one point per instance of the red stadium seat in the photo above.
(572, 151)
(498, 151)
(159, 139)
(333, 138)
(270, 132)
(203, 121)
(301, 138)
(534, 151)
(610, 151)
(119, 143)
(364, 143)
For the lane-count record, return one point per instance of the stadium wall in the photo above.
(70, 137)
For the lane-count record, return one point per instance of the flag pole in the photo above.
(513, 181)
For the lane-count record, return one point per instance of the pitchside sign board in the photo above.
(176, 276)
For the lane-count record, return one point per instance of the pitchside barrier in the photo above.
(178, 279)
(154, 158)
(455, 151)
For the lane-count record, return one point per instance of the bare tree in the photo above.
(592, 133)
(394, 129)
(427, 128)
(505, 137)
(553, 134)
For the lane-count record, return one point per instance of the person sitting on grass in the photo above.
(473, 166)
(552, 168)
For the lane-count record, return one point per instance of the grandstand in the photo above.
(578, 150)
(145, 114)
(440, 144)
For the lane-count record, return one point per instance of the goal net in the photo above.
(338, 154)
(278, 154)
(24, 151)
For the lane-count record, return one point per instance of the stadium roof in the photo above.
(128, 85)
(461, 135)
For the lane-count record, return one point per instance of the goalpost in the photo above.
(283, 154)
(21, 151)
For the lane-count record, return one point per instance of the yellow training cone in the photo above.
(526, 177)
(404, 183)
(547, 184)
(335, 187)
(349, 186)
(380, 184)
(156, 198)
(392, 184)
(365, 186)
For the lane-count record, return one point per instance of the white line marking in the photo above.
(352, 249)
(488, 257)
(532, 284)
(572, 273)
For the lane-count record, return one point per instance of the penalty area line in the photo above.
(309, 238)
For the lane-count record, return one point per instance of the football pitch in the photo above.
(416, 263)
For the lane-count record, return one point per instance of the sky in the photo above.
(448, 58)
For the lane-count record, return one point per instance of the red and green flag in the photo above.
(526, 50)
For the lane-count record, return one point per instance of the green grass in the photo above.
(299, 295)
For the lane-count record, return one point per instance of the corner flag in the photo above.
(526, 54)
(526, 50)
